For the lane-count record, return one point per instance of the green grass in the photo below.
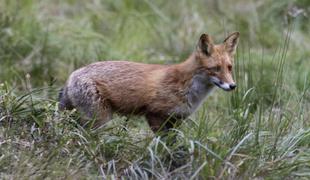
(260, 131)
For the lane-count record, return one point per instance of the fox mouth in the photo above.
(222, 85)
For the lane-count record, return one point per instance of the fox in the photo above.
(165, 94)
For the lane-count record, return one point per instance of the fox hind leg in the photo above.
(87, 99)
(99, 113)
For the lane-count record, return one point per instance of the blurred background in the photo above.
(261, 129)
(49, 39)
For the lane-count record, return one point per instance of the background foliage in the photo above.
(259, 131)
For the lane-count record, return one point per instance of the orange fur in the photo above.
(160, 92)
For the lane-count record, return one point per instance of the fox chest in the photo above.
(195, 94)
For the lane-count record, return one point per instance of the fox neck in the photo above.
(196, 82)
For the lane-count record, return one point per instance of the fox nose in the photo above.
(232, 86)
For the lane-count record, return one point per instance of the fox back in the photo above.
(159, 92)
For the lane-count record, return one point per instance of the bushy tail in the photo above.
(64, 101)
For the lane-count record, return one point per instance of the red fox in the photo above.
(165, 94)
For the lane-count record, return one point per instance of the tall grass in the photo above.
(259, 131)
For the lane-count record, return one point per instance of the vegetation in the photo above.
(259, 131)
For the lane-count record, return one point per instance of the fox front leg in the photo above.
(161, 123)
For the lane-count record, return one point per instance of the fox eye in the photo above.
(230, 68)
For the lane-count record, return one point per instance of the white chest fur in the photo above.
(197, 91)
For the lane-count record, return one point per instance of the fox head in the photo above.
(217, 60)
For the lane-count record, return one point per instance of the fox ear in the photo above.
(231, 42)
(205, 44)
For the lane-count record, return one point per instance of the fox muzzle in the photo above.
(223, 85)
